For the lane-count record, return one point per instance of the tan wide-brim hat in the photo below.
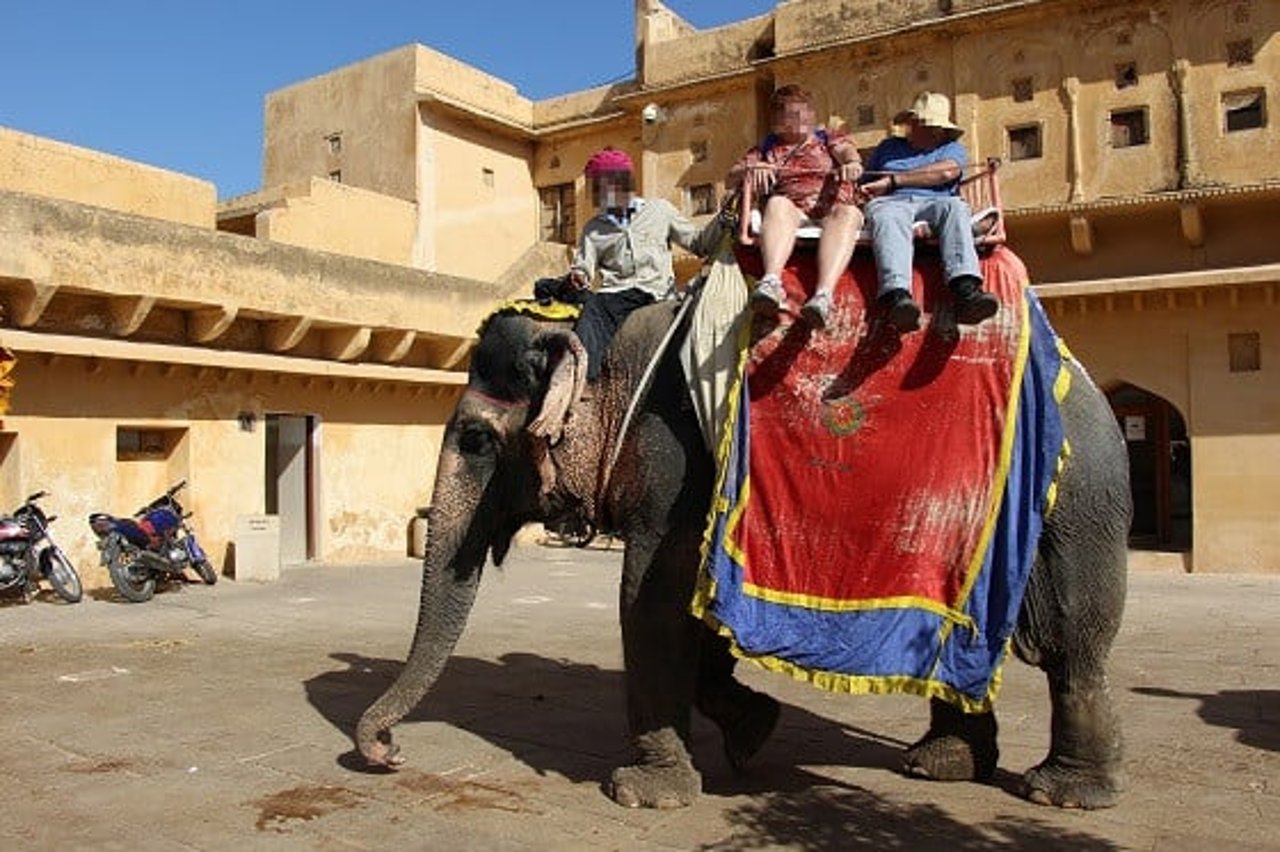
(932, 110)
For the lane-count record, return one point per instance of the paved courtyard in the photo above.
(220, 718)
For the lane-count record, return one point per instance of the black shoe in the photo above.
(973, 305)
(902, 311)
(976, 309)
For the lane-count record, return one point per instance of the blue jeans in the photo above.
(891, 218)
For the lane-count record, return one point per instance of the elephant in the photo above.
(492, 478)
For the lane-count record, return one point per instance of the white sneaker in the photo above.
(769, 295)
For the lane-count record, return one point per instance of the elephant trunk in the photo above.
(457, 541)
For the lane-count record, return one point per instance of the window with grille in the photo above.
(866, 115)
(1128, 128)
(1244, 352)
(702, 199)
(1240, 52)
(1244, 110)
(140, 444)
(334, 141)
(1025, 142)
(336, 175)
(1023, 90)
(557, 222)
(1126, 75)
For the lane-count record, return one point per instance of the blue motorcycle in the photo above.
(156, 543)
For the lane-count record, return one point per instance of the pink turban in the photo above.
(608, 160)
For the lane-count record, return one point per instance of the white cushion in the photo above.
(811, 230)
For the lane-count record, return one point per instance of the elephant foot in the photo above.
(958, 747)
(664, 777)
(1057, 783)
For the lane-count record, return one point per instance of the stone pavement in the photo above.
(219, 718)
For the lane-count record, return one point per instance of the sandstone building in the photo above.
(1140, 171)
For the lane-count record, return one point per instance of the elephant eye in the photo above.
(476, 439)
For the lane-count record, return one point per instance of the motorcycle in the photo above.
(156, 543)
(28, 552)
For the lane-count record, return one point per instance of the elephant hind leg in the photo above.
(1084, 766)
(663, 775)
(959, 746)
(746, 718)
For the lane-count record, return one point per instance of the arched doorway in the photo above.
(1159, 468)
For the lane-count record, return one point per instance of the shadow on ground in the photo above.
(565, 718)
(1253, 713)
(831, 816)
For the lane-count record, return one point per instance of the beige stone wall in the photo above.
(434, 72)
(1176, 347)
(1242, 156)
(672, 57)
(369, 105)
(39, 166)
(1146, 239)
(484, 208)
(376, 451)
(327, 216)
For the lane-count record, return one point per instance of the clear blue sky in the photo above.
(180, 84)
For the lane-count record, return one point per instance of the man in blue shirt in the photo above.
(916, 178)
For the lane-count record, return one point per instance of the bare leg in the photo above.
(778, 233)
(835, 248)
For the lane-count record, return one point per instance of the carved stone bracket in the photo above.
(392, 345)
(455, 356)
(284, 334)
(208, 324)
(1081, 235)
(30, 298)
(128, 313)
(1192, 219)
(344, 344)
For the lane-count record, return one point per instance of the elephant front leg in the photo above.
(1084, 766)
(660, 650)
(959, 746)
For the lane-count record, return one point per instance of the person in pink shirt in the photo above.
(804, 172)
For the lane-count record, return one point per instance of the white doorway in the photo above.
(290, 483)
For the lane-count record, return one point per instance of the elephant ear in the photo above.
(560, 356)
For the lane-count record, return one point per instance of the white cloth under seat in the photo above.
(983, 221)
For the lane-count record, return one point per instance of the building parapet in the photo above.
(58, 170)
(1266, 276)
(1150, 199)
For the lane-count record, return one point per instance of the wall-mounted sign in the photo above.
(1135, 427)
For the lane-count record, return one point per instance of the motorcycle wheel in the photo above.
(134, 583)
(206, 572)
(62, 576)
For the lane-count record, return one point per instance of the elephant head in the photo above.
(494, 475)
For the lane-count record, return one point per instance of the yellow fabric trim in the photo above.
(7, 362)
(534, 308)
(704, 590)
(1062, 384)
(842, 605)
(871, 684)
(1001, 477)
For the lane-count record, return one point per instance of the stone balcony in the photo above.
(81, 280)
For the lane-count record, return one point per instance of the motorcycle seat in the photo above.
(133, 532)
